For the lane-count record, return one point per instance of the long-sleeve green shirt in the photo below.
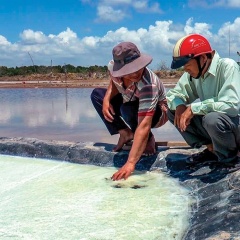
(218, 90)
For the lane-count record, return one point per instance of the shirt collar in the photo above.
(213, 66)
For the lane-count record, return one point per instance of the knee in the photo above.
(212, 121)
(96, 94)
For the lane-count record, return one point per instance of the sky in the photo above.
(84, 32)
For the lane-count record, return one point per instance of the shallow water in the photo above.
(59, 114)
(45, 199)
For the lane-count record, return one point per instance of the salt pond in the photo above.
(46, 199)
(59, 114)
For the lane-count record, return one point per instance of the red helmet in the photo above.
(189, 47)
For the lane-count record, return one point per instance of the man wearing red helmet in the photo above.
(212, 120)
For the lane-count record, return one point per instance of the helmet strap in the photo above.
(200, 69)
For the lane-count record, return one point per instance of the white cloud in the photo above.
(107, 13)
(144, 6)
(227, 3)
(4, 41)
(157, 40)
(115, 11)
(30, 37)
(117, 2)
(202, 28)
(216, 3)
(65, 37)
(227, 38)
(90, 41)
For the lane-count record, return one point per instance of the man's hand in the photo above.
(124, 172)
(108, 111)
(183, 116)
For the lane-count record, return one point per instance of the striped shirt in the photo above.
(150, 92)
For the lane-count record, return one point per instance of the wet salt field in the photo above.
(59, 114)
(43, 199)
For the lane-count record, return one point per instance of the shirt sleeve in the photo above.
(183, 93)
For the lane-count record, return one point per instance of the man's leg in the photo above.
(195, 134)
(221, 128)
(97, 96)
(128, 114)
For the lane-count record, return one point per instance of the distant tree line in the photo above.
(68, 68)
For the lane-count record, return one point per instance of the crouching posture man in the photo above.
(212, 120)
(133, 103)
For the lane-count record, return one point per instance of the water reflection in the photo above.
(58, 114)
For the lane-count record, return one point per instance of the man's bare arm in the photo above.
(138, 147)
(108, 110)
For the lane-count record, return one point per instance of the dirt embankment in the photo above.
(74, 80)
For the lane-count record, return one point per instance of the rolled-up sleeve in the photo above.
(182, 93)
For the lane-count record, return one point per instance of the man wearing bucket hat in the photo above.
(133, 103)
(212, 120)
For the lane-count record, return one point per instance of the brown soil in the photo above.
(71, 80)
